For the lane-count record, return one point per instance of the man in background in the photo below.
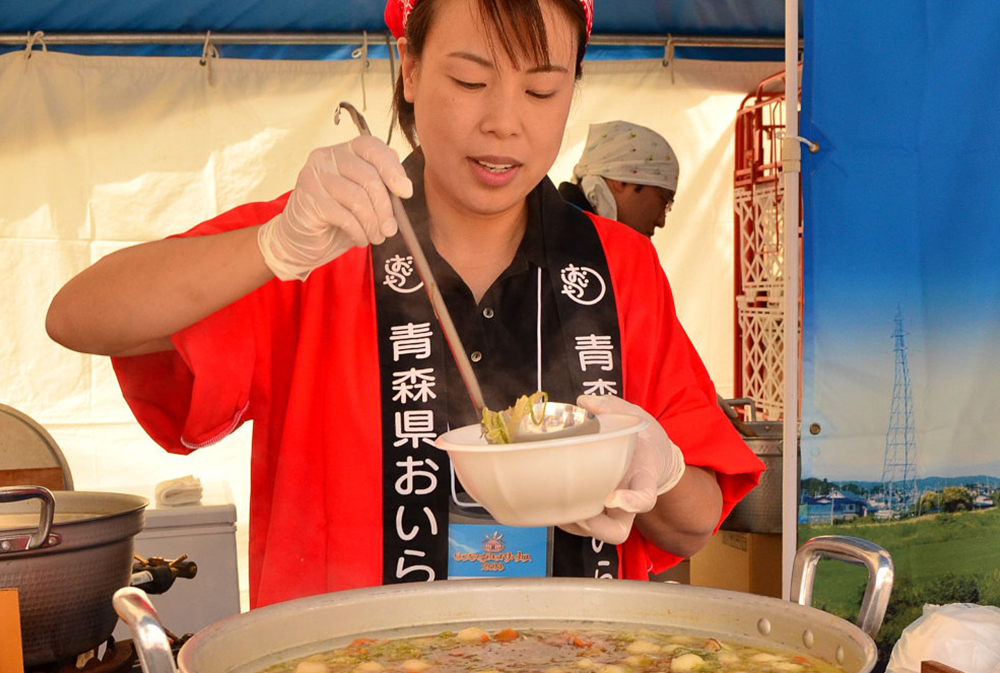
(627, 173)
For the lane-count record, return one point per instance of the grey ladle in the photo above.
(560, 419)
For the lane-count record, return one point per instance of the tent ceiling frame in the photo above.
(290, 38)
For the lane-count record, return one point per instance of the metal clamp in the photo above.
(43, 536)
(850, 550)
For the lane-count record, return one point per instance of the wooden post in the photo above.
(932, 666)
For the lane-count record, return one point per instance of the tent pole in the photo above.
(791, 172)
(356, 38)
(51, 39)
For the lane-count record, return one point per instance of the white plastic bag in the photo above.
(961, 635)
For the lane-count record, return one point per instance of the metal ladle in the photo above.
(559, 419)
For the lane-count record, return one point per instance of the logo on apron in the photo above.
(577, 285)
(399, 272)
(494, 550)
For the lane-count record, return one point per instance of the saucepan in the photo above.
(252, 641)
(66, 552)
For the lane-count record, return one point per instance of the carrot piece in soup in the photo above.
(505, 635)
(358, 642)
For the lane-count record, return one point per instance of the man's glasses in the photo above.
(667, 197)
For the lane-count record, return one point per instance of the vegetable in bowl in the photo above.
(499, 427)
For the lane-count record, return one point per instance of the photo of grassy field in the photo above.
(938, 558)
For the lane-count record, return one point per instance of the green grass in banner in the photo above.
(925, 549)
(938, 558)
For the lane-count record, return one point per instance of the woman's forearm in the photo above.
(132, 300)
(685, 516)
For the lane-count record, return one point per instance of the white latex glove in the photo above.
(657, 465)
(340, 200)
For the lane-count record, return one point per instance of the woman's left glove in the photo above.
(657, 465)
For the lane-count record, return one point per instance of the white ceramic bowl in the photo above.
(544, 483)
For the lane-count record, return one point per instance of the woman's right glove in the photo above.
(340, 200)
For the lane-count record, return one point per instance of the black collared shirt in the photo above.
(573, 193)
(500, 333)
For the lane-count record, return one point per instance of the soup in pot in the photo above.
(473, 650)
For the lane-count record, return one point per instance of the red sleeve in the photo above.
(664, 374)
(197, 394)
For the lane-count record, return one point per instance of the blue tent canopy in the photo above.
(620, 18)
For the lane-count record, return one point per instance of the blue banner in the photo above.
(901, 277)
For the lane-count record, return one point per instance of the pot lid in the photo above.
(29, 455)
(70, 507)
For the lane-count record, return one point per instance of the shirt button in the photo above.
(488, 312)
(476, 356)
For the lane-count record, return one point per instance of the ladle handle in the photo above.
(430, 285)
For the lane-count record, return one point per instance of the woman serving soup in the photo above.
(305, 315)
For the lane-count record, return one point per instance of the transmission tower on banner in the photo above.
(899, 470)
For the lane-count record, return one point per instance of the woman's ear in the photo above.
(408, 68)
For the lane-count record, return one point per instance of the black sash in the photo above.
(412, 357)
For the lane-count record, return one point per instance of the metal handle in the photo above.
(148, 635)
(747, 402)
(741, 426)
(41, 537)
(851, 550)
(425, 274)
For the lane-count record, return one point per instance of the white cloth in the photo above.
(181, 491)
(150, 148)
(599, 195)
(628, 152)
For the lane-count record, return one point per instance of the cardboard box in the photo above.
(748, 562)
(11, 654)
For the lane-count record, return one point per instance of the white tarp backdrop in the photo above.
(97, 153)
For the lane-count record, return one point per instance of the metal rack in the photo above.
(759, 256)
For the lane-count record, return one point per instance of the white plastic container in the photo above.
(206, 532)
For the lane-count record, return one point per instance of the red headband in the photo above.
(398, 11)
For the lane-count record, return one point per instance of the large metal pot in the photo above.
(66, 559)
(760, 510)
(251, 641)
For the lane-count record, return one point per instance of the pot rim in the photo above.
(100, 517)
(72, 501)
(522, 603)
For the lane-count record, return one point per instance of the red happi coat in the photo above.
(301, 361)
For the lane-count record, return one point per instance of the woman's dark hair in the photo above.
(517, 25)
